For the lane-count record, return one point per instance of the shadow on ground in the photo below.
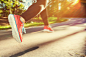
(36, 47)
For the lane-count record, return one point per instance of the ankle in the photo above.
(47, 26)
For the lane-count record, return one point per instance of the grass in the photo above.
(51, 21)
(5, 27)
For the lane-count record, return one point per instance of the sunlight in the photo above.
(75, 2)
(59, 6)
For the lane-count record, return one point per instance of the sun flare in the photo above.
(75, 2)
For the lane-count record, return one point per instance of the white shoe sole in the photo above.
(13, 24)
(46, 30)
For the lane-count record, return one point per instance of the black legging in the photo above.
(36, 9)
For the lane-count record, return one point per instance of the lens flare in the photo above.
(75, 2)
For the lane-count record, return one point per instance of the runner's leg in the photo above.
(44, 17)
(34, 9)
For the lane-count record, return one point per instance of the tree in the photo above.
(53, 7)
(11, 7)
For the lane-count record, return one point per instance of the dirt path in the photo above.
(49, 43)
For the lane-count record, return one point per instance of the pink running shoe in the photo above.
(17, 27)
(48, 29)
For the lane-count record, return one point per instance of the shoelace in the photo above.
(23, 29)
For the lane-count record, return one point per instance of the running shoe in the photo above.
(17, 27)
(48, 29)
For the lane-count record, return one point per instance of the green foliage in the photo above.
(5, 27)
(1, 11)
(11, 7)
(53, 8)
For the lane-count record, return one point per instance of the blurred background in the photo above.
(58, 8)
